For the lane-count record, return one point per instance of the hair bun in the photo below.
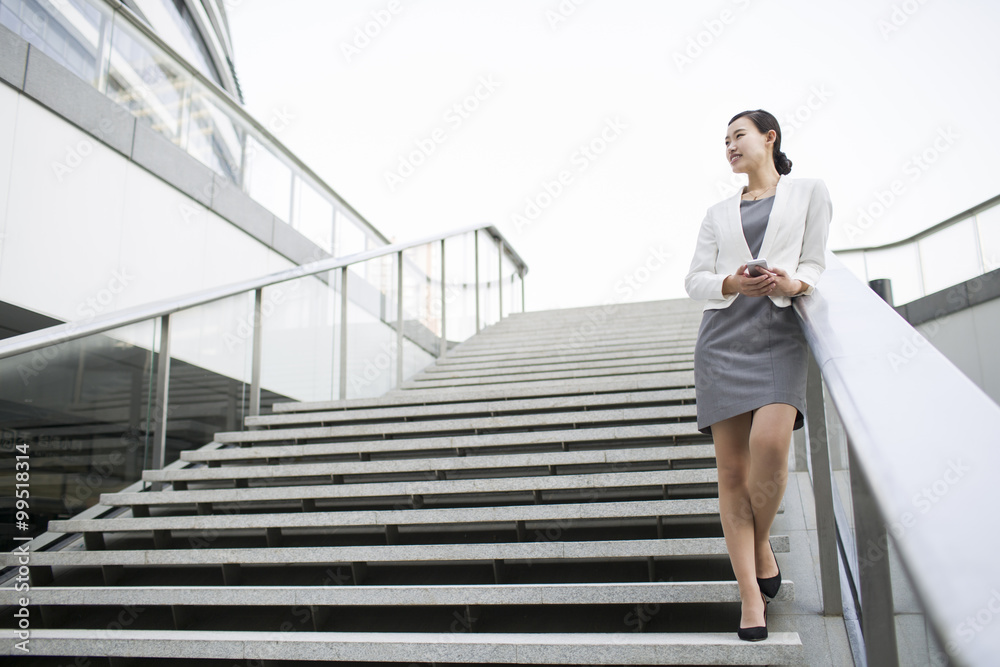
(781, 163)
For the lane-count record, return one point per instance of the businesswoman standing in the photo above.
(750, 356)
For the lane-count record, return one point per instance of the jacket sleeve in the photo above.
(812, 258)
(702, 281)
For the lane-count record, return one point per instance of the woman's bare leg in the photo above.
(770, 435)
(732, 456)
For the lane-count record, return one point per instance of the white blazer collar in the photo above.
(775, 219)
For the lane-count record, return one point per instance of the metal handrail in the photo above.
(62, 333)
(923, 450)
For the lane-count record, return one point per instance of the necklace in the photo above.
(764, 190)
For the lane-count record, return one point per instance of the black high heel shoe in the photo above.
(758, 632)
(769, 587)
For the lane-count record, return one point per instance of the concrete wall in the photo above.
(963, 322)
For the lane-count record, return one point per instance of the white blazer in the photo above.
(795, 240)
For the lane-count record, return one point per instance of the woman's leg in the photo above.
(733, 460)
(770, 435)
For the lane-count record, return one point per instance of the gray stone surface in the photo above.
(538, 377)
(373, 595)
(659, 433)
(381, 553)
(432, 487)
(673, 380)
(13, 57)
(669, 412)
(564, 512)
(617, 457)
(161, 157)
(236, 206)
(472, 648)
(78, 102)
(575, 402)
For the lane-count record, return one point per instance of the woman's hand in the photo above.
(783, 284)
(742, 283)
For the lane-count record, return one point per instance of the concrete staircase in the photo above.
(541, 495)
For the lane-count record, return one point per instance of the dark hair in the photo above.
(766, 122)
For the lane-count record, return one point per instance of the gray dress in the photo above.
(752, 352)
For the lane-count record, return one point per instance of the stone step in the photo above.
(558, 361)
(576, 512)
(526, 352)
(517, 421)
(397, 397)
(654, 434)
(690, 547)
(588, 374)
(619, 457)
(501, 371)
(636, 648)
(536, 483)
(655, 592)
(548, 403)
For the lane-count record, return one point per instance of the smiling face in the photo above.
(746, 148)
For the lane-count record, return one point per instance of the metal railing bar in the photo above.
(62, 333)
(964, 215)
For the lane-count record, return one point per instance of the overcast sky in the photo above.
(610, 117)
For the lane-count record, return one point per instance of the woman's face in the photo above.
(746, 148)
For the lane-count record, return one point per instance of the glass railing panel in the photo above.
(855, 263)
(418, 292)
(371, 332)
(210, 354)
(900, 264)
(489, 280)
(509, 273)
(348, 237)
(299, 322)
(989, 237)
(313, 215)
(213, 138)
(268, 180)
(949, 256)
(70, 32)
(146, 81)
(460, 288)
(81, 412)
(415, 359)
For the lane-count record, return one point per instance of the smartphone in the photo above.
(754, 266)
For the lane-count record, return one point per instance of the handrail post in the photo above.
(878, 624)
(522, 291)
(161, 404)
(343, 332)
(258, 346)
(822, 483)
(444, 339)
(399, 318)
(475, 236)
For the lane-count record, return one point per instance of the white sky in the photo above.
(860, 87)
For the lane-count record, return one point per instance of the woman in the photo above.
(750, 357)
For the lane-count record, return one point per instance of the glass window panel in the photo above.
(989, 237)
(268, 179)
(901, 265)
(313, 215)
(949, 256)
